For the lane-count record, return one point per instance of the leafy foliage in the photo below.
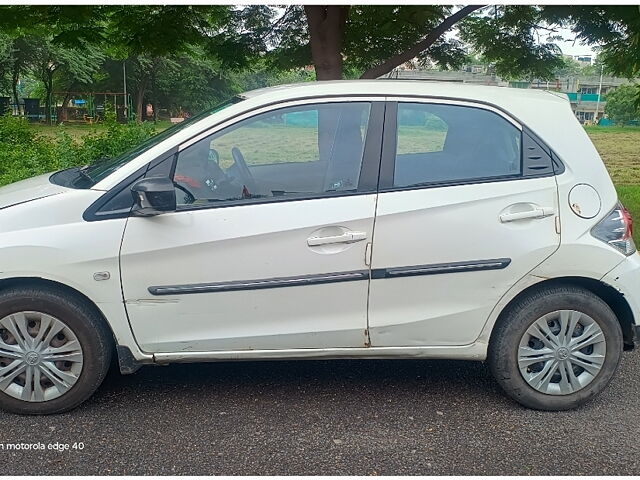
(372, 33)
(158, 30)
(6, 51)
(24, 154)
(115, 140)
(506, 36)
(190, 57)
(614, 28)
(377, 32)
(621, 106)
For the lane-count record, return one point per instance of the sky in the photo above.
(569, 47)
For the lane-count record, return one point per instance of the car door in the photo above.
(267, 247)
(467, 206)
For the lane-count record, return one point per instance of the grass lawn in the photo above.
(620, 149)
(78, 130)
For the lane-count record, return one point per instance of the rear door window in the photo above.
(439, 143)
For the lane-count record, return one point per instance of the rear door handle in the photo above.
(347, 237)
(537, 212)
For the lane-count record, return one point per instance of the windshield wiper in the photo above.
(83, 173)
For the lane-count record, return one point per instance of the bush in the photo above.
(24, 154)
(116, 140)
(622, 104)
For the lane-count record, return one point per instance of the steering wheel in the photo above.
(189, 197)
(243, 169)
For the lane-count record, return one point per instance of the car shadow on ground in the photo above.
(307, 379)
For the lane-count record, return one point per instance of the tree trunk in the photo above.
(326, 29)
(64, 112)
(15, 78)
(48, 86)
(142, 88)
(421, 46)
(155, 102)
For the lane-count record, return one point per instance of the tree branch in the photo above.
(534, 25)
(422, 45)
(282, 19)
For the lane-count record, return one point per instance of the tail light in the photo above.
(616, 229)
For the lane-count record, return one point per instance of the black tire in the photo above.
(505, 340)
(88, 326)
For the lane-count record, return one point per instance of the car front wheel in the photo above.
(54, 350)
(556, 349)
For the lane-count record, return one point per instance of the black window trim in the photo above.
(92, 213)
(389, 144)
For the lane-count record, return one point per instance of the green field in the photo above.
(78, 130)
(620, 150)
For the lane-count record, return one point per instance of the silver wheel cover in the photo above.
(40, 357)
(561, 352)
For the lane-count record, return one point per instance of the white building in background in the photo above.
(586, 59)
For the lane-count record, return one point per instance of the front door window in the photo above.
(311, 150)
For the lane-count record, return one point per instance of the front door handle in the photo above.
(347, 237)
(536, 212)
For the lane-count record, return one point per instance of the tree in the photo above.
(518, 39)
(192, 82)
(621, 107)
(16, 54)
(6, 47)
(615, 29)
(147, 36)
(48, 40)
(77, 69)
(569, 68)
(340, 41)
(375, 39)
(76, 64)
(371, 39)
(144, 36)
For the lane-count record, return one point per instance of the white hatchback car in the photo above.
(359, 219)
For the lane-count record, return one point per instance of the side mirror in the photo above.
(153, 196)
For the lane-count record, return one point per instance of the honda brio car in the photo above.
(358, 219)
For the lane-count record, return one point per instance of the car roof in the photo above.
(502, 96)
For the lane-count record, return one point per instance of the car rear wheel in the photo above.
(54, 350)
(556, 349)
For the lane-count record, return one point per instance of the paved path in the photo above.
(328, 417)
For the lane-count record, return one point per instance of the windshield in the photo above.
(88, 176)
